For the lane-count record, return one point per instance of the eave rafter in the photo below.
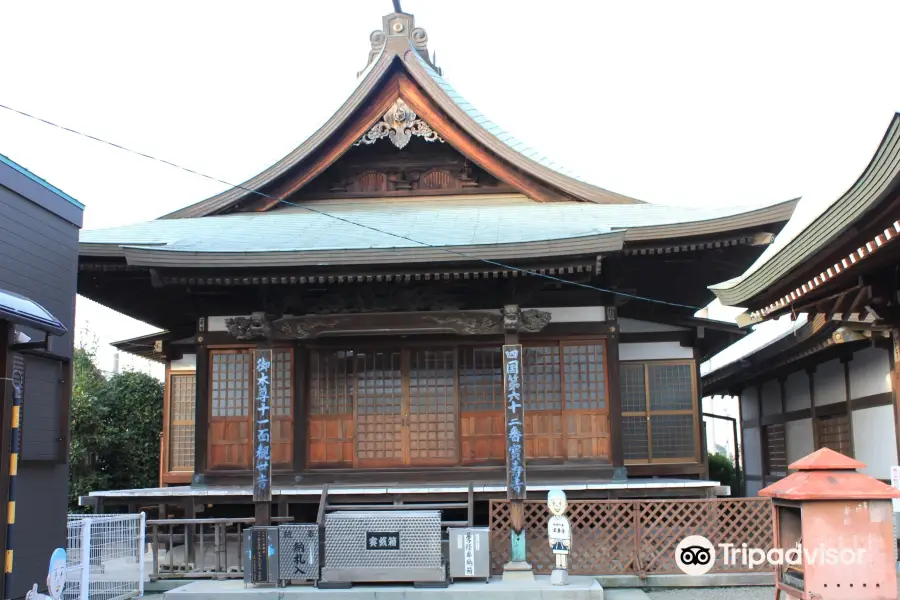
(791, 299)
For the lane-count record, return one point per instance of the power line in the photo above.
(349, 221)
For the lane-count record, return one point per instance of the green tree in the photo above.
(133, 408)
(723, 470)
(86, 429)
(115, 427)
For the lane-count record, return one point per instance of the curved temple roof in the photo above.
(407, 48)
(880, 178)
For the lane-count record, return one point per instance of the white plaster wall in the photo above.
(749, 407)
(188, 362)
(799, 436)
(576, 314)
(796, 391)
(771, 395)
(654, 351)
(752, 451)
(829, 382)
(870, 372)
(874, 440)
(635, 326)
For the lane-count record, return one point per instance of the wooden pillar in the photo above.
(848, 396)
(762, 437)
(301, 411)
(617, 447)
(810, 373)
(517, 568)
(201, 415)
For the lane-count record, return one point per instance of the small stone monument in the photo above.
(560, 533)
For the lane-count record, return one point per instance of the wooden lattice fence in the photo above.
(635, 537)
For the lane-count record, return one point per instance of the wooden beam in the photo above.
(456, 137)
(861, 296)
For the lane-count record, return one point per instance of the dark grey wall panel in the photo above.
(39, 259)
(41, 419)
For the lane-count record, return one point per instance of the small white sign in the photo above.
(895, 482)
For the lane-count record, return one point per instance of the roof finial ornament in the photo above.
(398, 35)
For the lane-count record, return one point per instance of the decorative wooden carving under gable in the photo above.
(399, 124)
(258, 327)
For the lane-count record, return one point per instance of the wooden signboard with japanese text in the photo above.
(515, 419)
(262, 439)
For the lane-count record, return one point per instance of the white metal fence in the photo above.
(105, 557)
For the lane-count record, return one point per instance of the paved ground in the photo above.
(722, 593)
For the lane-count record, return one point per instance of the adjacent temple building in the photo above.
(384, 263)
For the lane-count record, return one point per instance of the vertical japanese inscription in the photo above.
(262, 440)
(515, 422)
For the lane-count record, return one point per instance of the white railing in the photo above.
(105, 557)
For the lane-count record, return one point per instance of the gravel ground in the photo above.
(721, 593)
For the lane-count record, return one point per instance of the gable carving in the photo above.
(399, 124)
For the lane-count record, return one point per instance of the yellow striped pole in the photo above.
(18, 381)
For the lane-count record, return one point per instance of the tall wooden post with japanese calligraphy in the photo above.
(262, 438)
(517, 567)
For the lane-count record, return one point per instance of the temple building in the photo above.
(382, 265)
(831, 379)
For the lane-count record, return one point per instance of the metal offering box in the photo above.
(298, 552)
(401, 546)
(469, 553)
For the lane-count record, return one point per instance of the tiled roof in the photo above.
(454, 222)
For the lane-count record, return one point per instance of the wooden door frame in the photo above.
(167, 476)
(694, 411)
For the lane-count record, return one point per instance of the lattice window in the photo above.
(672, 436)
(331, 382)
(671, 387)
(182, 404)
(282, 385)
(775, 449)
(432, 404)
(659, 415)
(834, 432)
(636, 444)
(480, 379)
(231, 384)
(633, 388)
(585, 379)
(542, 378)
(379, 404)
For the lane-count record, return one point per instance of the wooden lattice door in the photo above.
(379, 409)
(431, 414)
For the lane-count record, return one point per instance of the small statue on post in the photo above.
(559, 530)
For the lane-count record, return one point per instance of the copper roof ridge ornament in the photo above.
(399, 124)
(397, 34)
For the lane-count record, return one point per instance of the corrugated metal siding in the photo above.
(40, 259)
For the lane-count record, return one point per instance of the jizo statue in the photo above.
(559, 530)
